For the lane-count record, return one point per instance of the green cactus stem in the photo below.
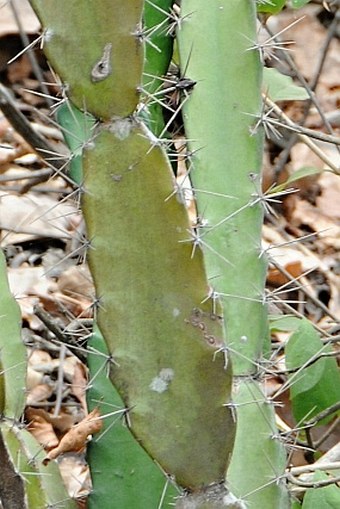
(153, 308)
(115, 458)
(38, 486)
(225, 154)
(158, 53)
(226, 163)
(96, 47)
(12, 352)
(77, 129)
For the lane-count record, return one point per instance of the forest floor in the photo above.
(41, 228)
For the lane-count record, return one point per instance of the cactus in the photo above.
(154, 360)
(127, 479)
(171, 333)
(12, 352)
(158, 53)
(12, 385)
(174, 303)
(97, 75)
(24, 481)
(38, 486)
(225, 170)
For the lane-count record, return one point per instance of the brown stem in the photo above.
(12, 494)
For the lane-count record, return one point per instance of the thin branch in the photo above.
(24, 128)
(51, 325)
(303, 137)
(60, 381)
(30, 53)
(312, 361)
(308, 294)
(313, 484)
(322, 415)
(304, 469)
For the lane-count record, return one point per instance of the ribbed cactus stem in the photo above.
(226, 163)
(153, 309)
(224, 159)
(158, 53)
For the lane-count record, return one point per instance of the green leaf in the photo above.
(271, 6)
(283, 323)
(322, 498)
(305, 171)
(316, 387)
(296, 4)
(280, 87)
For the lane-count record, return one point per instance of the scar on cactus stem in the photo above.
(215, 496)
(103, 68)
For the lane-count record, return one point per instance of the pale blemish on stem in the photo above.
(161, 382)
(102, 69)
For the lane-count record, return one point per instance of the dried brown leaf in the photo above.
(75, 439)
(39, 394)
(41, 428)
